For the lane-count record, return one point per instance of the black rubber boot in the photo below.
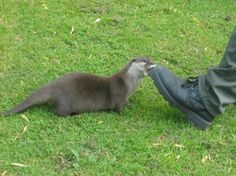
(182, 94)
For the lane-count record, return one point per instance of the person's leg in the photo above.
(229, 58)
(218, 87)
(203, 98)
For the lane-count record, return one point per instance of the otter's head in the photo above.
(140, 67)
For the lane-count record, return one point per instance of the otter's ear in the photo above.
(134, 60)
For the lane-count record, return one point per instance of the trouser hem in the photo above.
(205, 98)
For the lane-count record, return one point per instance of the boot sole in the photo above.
(193, 117)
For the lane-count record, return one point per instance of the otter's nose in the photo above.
(152, 63)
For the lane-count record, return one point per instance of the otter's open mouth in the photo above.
(152, 66)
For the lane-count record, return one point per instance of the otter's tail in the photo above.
(38, 97)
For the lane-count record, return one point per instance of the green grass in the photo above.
(149, 137)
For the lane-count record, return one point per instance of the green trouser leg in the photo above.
(218, 87)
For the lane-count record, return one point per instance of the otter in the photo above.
(76, 93)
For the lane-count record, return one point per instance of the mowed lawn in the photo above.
(42, 40)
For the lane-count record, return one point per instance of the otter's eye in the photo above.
(133, 60)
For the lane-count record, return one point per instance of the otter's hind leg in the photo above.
(62, 108)
(62, 111)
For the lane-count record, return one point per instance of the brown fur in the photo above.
(75, 93)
